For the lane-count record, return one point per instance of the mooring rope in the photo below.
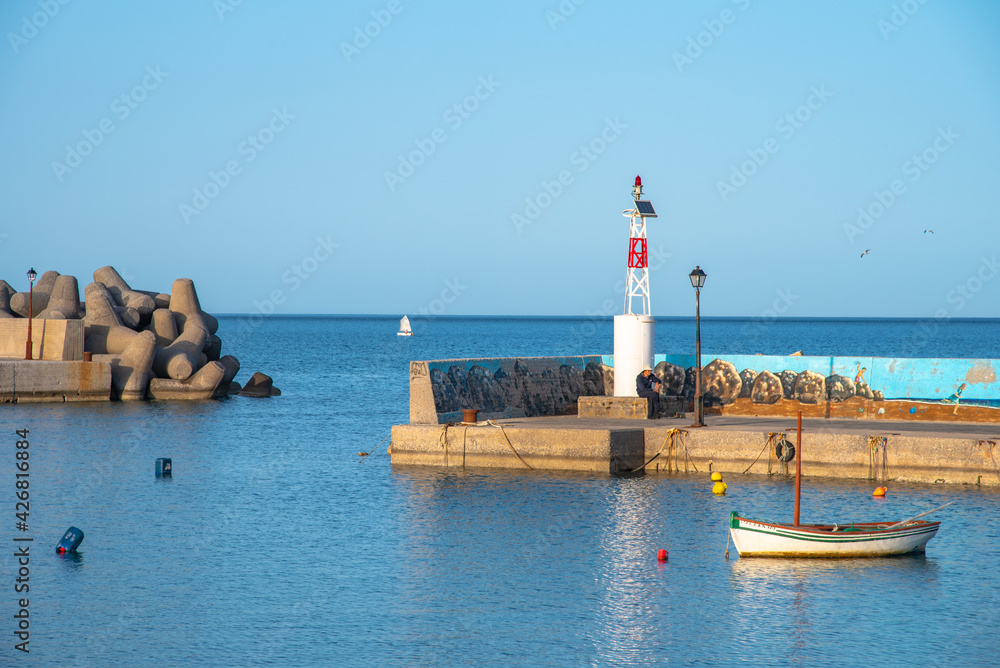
(769, 446)
(366, 455)
(494, 423)
(988, 446)
(874, 443)
(672, 434)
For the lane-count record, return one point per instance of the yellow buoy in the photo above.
(716, 477)
(719, 488)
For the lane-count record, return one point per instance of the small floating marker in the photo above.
(662, 555)
(70, 541)
(164, 468)
(880, 491)
(719, 487)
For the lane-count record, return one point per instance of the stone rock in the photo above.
(232, 367)
(64, 300)
(159, 299)
(810, 388)
(275, 392)
(234, 387)
(201, 385)
(839, 388)
(163, 326)
(689, 383)
(671, 379)
(6, 292)
(788, 378)
(593, 380)
(767, 389)
(609, 379)
(259, 385)
(748, 377)
(123, 294)
(103, 331)
(185, 305)
(128, 316)
(862, 390)
(183, 357)
(720, 381)
(38, 296)
(877, 395)
(213, 347)
(131, 373)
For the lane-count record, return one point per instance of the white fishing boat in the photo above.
(404, 327)
(756, 538)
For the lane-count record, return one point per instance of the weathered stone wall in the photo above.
(50, 339)
(503, 387)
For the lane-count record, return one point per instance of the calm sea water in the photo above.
(273, 545)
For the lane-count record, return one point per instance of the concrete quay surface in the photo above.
(948, 453)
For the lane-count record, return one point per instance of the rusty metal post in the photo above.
(31, 293)
(798, 466)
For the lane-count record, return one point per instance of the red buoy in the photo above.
(662, 555)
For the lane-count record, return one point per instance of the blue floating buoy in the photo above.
(70, 541)
(164, 468)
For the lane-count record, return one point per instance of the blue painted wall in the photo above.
(896, 378)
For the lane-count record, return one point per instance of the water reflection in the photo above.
(630, 623)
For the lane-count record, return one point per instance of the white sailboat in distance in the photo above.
(404, 327)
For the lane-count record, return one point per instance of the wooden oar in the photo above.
(915, 517)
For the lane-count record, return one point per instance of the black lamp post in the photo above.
(698, 282)
(31, 289)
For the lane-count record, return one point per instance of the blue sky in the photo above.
(289, 162)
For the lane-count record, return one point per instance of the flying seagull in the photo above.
(926, 231)
(865, 253)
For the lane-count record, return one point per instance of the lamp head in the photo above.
(31, 275)
(697, 278)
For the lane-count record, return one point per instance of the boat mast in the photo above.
(798, 466)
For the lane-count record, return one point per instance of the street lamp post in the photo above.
(697, 282)
(31, 290)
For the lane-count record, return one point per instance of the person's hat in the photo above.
(647, 368)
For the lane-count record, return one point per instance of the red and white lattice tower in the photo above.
(634, 328)
(637, 277)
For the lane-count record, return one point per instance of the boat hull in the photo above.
(404, 333)
(754, 538)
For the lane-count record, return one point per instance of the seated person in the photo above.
(647, 385)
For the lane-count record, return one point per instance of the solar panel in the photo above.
(645, 208)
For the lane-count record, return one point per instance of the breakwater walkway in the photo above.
(883, 450)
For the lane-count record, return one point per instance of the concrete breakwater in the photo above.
(528, 418)
(882, 452)
(141, 344)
